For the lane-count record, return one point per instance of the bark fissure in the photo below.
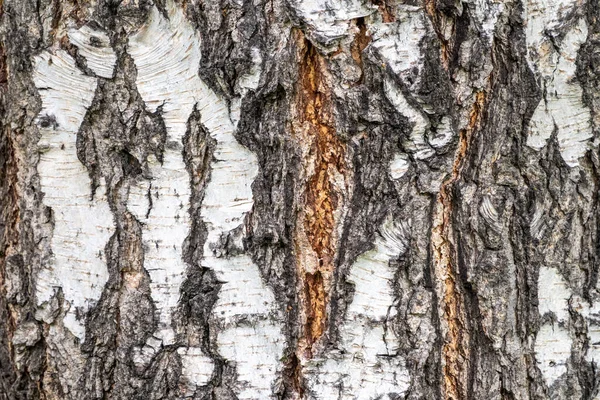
(360, 43)
(322, 197)
(444, 28)
(456, 343)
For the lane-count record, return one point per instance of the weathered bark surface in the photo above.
(299, 199)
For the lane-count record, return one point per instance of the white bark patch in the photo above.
(562, 107)
(82, 225)
(256, 350)
(591, 313)
(167, 55)
(543, 17)
(251, 79)
(195, 367)
(442, 135)
(552, 350)
(553, 294)
(489, 213)
(417, 142)
(398, 45)
(486, 15)
(369, 366)
(399, 166)
(553, 343)
(95, 47)
(329, 20)
(398, 42)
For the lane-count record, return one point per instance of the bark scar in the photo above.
(318, 222)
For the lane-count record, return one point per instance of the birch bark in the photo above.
(299, 199)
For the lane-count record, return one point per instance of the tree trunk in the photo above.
(299, 199)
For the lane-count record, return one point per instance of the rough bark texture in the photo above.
(299, 199)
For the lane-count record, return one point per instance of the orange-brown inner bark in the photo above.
(321, 197)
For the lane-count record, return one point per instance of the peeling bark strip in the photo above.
(323, 197)
(455, 322)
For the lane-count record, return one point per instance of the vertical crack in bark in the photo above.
(455, 347)
(445, 29)
(322, 198)
(316, 307)
(361, 41)
(3, 66)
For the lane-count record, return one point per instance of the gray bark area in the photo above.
(466, 288)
